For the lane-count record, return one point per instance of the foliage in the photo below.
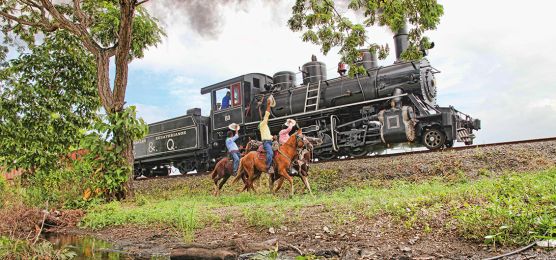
(323, 24)
(23, 249)
(106, 28)
(106, 13)
(103, 18)
(48, 96)
(3, 185)
(105, 145)
(62, 188)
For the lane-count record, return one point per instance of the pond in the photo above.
(86, 247)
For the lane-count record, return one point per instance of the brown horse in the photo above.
(224, 168)
(252, 165)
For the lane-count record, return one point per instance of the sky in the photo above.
(497, 60)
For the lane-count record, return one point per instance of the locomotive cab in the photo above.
(239, 107)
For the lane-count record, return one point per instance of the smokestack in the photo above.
(401, 41)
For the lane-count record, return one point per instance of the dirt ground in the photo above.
(376, 238)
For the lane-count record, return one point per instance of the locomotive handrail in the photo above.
(330, 108)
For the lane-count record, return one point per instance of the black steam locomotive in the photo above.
(353, 115)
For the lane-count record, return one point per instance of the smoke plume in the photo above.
(203, 16)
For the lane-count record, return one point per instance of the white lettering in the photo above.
(170, 145)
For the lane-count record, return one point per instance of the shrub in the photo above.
(64, 187)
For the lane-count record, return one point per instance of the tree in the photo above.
(48, 98)
(121, 29)
(322, 24)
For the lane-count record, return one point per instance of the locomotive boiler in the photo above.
(354, 116)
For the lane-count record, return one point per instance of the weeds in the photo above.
(187, 223)
(516, 209)
(263, 217)
(23, 249)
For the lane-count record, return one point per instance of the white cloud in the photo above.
(151, 113)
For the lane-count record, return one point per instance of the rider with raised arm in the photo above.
(233, 150)
(266, 137)
(284, 134)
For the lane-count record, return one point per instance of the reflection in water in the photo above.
(86, 247)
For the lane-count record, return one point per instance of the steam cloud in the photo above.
(202, 15)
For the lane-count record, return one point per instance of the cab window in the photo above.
(223, 99)
(236, 94)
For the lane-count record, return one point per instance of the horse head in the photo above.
(299, 139)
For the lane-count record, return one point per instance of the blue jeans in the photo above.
(269, 153)
(236, 156)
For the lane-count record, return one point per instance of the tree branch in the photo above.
(45, 25)
(141, 2)
(83, 18)
(78, 29)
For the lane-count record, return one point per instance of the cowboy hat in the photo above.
(233, 126)
(272, 101)
(290, 122)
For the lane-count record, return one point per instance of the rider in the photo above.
(226, 101)
(232, 148)
(266, 137)
(285, 133)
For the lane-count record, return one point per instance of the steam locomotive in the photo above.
(354, 116)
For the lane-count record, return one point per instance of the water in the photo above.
(86, 247)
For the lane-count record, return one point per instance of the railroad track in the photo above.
(439, 150)
(388, 155)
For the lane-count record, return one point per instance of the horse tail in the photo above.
(239, 171)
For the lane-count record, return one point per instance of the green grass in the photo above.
(512, 208)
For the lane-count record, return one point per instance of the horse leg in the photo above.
(306, 182)
(216, 179)
(224, 180)
(279, 185)
(256, 176)
(284, 173)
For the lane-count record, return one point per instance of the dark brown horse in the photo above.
(224, 168)
(252, 165)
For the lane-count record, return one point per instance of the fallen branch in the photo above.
(295, 249)
(513, 252)
(42, 224)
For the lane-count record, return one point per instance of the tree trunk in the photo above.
(127, 11)
(127, 153)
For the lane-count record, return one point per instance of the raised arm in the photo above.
(236, 136)
(287, 130)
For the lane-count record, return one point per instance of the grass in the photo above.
(24, 249)
(508, 208)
